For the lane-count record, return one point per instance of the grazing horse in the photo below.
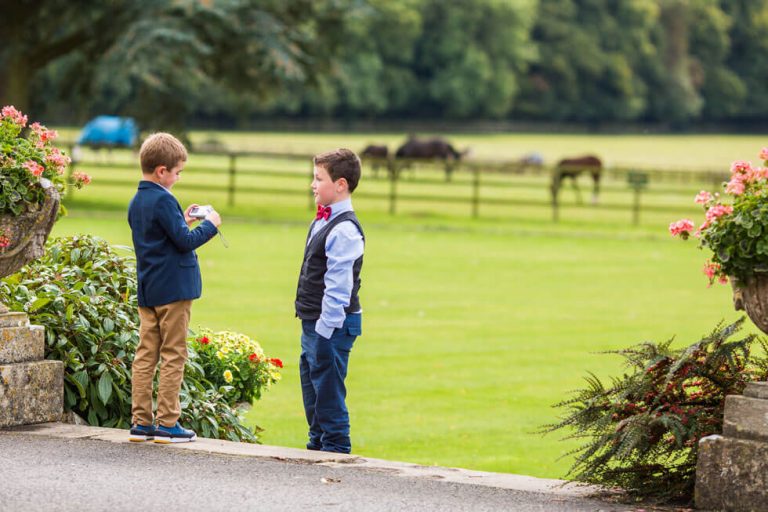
(572, 168)
(377, 154)
(430, 149)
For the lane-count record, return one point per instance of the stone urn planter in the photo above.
(27, 234)
(752, 297)
(31, 387)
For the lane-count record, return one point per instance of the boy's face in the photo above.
(326, 190)
(168, 177)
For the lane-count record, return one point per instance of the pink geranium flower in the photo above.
(718, 211)
(81, 178)
(14, 115)
(740, 167)
(681, 227)
(34, 167)
(764, 154)
(703, 197)
(736, 186)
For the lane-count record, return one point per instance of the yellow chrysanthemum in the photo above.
(219, 354)
(228, 376)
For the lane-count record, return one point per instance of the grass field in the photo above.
(472, 327)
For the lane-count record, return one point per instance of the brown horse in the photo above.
(572, 168)
(430, 149)
(377, 155)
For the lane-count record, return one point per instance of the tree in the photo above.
(157, 60)
(589, 56)
(745, 59)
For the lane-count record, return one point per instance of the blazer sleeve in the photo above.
(172, 221)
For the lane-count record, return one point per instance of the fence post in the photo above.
(638, 181)
(475, 192)
(232, 171)
(554, 189)
(393, 172)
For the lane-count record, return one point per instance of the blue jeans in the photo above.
(323, 368)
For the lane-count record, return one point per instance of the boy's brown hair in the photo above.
(161, 149)
(341, 163)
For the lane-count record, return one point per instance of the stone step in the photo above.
(31, 393)
(732, 474)
(21, 344)
(757, 390)
(746, 418)
(13, 319)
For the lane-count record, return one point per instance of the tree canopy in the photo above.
(167, 62)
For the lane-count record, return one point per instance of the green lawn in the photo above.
(470, 333)
(472, 327)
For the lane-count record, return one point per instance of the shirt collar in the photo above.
(340, 207)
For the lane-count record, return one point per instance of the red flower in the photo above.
(204, 340)
(254, 358)
(276, 362)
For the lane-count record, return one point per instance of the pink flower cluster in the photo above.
(81, 178)
(33, 167)
(703, 197)
(10, 112)
(743, 175)
(58, 160)
(714, 271)
(43, 134)
(681, 227)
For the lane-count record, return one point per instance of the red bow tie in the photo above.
(323, 212)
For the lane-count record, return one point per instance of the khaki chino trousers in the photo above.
(162, 337)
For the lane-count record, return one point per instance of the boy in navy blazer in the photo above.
(168, 281)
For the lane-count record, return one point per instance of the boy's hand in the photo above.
(214, 218)
(190, 220)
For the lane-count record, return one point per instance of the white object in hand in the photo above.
(200, 212)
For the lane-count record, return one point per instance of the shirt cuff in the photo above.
(322, 329)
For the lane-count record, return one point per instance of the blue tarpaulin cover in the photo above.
(109, 131)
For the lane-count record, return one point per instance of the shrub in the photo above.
(235, 363)
(84, 293)
(643, 431)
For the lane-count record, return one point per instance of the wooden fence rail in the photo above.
(471, 175)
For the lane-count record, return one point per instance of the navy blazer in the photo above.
(166, 262)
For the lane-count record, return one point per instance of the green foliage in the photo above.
(642, 431)
(84, 293)
(235, 363)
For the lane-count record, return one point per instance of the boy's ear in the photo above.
(343, 182)
(159, 169)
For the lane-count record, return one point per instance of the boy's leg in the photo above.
(328, 377)
(173, 320)
(309, 339)
(144, 365)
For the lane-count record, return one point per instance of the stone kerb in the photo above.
(732, 469)
(31, 388)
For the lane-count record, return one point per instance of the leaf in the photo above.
(39, 303)
(105, 387)
(81, 381)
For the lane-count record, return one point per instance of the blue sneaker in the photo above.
(140, 433)
(174, 434)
